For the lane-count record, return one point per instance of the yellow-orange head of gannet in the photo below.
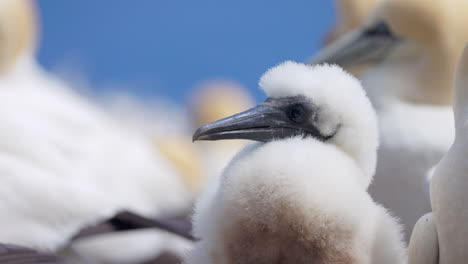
(18, 30)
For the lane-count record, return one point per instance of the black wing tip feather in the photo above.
(14, 254)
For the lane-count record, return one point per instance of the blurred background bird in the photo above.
(440, 236)
(413, 47)
(67, 164)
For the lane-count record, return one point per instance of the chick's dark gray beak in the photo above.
(356, 48)
(261, 123)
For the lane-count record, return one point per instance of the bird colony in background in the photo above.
(343, 169)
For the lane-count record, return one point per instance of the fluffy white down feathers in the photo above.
(341, 100)
(301, 200)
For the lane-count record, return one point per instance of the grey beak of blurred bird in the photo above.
(360, 46)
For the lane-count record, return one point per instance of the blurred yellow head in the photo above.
(184, 157)
(18, 29)
(433, 34)
(217, 99)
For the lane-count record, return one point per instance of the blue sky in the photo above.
(165, 47)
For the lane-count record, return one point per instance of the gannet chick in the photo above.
(448, 189)
(298, 196)
(414, 46)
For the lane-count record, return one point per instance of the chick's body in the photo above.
(319, 215)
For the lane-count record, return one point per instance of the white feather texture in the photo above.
(344, 102)
(301, 200)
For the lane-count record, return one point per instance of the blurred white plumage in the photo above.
(443, 236)
(65, 163)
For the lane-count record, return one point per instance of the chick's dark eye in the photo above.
(297, 113)
(380, 29)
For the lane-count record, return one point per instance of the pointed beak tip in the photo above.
(202, 133)
(196, 135)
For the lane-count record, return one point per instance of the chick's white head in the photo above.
(312, 102)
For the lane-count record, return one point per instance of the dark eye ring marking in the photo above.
(297, 113)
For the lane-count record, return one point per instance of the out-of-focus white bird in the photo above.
(65, 163)
(167, 124)
(414, 45)
(300, 196)
(209, 101)
(447, 234)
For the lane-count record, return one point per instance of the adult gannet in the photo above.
(300, 195)
(414, 45)
(446, 235)
(65, 163)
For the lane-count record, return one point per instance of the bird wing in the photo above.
(423, 247)
(127, 221)
(12, 254)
